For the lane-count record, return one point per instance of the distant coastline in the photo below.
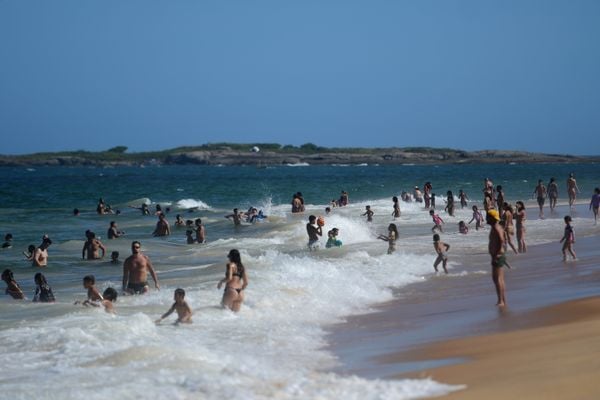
(269, 154)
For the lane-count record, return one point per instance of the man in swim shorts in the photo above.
(135, 272)
(496, 250)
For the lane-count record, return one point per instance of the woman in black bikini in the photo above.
(233, 296)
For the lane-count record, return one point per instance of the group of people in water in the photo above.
(504, 221)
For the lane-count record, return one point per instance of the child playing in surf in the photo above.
(595, 204)
(568, 239)
(93, 295)
(463, 228)
(477, 217)
(391, 238)
(110, 296)
(437, 220)
(440, 248)
(462, 196)
(332, 240)
(368, 213)
(12, 287)
(184, 312)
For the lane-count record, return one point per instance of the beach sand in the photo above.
(545, 344)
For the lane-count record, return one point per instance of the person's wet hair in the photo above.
(89, 279)
(436, 238)
(40, 279)
(7, 275)
(568, 218)
(180, 292)
(110, 294)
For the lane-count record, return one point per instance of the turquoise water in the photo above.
(274, 346)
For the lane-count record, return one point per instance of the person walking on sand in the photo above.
(441, 249)
(520, 218)
(236, 281)
(572, 189)
(391, 238)
(595, 204)
(540, 193)
(496, 250)
(135, 271)
(568, 239)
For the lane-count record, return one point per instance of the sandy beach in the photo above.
(543, 345)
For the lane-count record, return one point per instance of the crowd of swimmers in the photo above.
(504, 220)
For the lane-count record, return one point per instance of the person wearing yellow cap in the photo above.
(496, 250)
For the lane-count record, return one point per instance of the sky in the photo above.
(153, 75)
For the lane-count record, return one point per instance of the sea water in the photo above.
(274, 347)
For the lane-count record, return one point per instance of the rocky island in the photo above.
(269, 154)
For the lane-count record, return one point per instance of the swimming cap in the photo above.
(494, 214)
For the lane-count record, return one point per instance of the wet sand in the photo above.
(542, 345)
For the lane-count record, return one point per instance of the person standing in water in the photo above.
(92, 247)
(496, 250)
(135, 271)
(520, 218)
(552, 193)
(162, 226)
(572, 189)
(391, 238)
(369, 213)
(540, 194)
(595, 204)
(314, 231)
(396, 212)
(236, 281)
(40, 256)
(441, 249)
(568, 239)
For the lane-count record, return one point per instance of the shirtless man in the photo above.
(572, 189)
(236, 216)
(135, 271)
(92, 247)
(200, 231)
(496, 250)
(162, 226)
(540, 194)
(113, 232)
(314, 231)
(40, 256)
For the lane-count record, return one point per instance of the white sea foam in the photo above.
(187, 204)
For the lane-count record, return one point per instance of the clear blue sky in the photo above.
(152, 75)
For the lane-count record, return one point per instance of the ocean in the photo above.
(275, 347)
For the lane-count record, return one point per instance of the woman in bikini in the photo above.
(507, 222)
(235, 282)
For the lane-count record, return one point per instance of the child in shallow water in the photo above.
(332, 240)
(184, 312)
(463, 228)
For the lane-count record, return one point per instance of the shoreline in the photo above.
(413, 336)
